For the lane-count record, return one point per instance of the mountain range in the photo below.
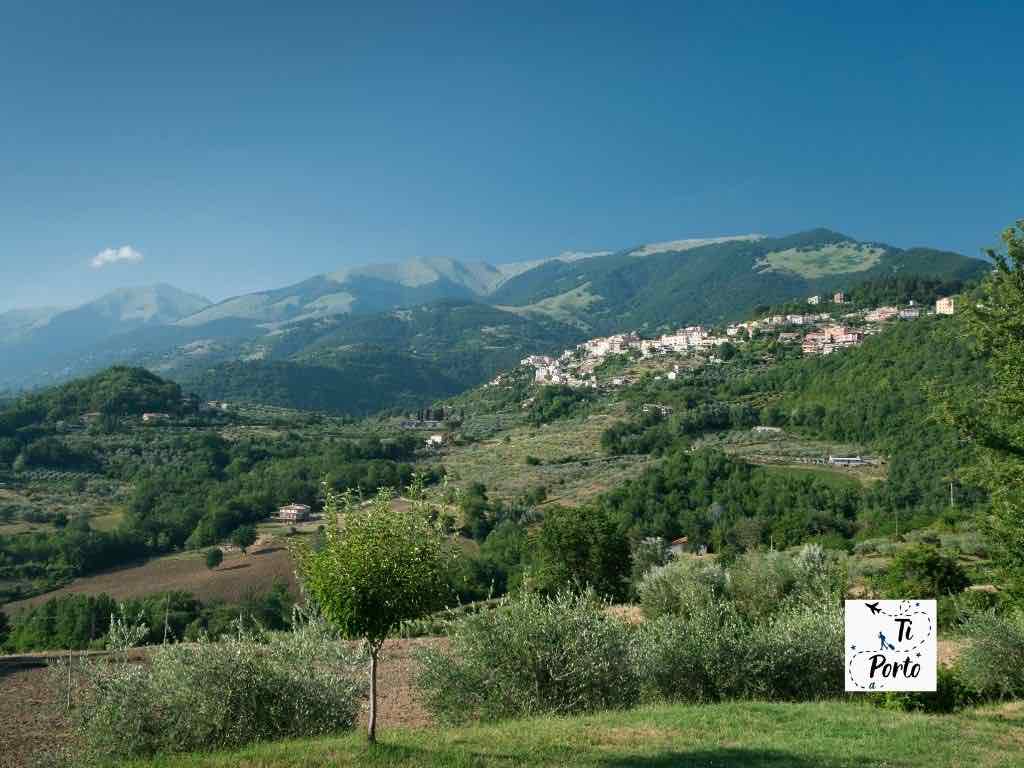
(445, 323)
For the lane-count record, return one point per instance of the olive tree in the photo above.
(379, 565)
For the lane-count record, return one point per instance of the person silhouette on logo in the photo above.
(885, 644)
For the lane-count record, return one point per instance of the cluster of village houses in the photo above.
(817, 333)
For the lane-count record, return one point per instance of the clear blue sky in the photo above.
(247, 145)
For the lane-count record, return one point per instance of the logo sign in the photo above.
(891, 645)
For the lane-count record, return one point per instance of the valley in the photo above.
(548, 456)
(537, 437)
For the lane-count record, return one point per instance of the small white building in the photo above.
(846, 461)
(839, 298)
(293, 513)
(946, 306)
(814, 299)
(435, 441)
(150, 418)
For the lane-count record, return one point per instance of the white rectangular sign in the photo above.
(891, 645)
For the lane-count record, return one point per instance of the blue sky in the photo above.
(240, 146)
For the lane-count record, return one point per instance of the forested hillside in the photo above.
(718, 282)
(360, 364)
(881, 394)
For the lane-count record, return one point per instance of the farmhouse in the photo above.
(664, 410)
(847, 461)
(293, 513)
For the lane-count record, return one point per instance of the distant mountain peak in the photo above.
(159, 303)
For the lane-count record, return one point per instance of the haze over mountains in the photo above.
(451, 322)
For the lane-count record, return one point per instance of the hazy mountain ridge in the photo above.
(52, 342)
(15, 324)
(698, 280)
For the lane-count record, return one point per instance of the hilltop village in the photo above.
(818, 333)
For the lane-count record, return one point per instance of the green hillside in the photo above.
(118, 391)
(358, 364)
(717, 282)
(359, 382)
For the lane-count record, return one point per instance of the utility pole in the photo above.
(952, 501)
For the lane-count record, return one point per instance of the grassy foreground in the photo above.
(752, 735)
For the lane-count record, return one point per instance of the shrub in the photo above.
(689, 660)
(715, 654)
(683, 587)
(532, 655)
(951, 695)
(217, 695)
(214, 558)
(993, 662)
(796, 655)
(758, 582)
(925, 572)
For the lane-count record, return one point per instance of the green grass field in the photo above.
(832, 259)
(735, 735)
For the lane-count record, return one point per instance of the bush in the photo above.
(715, 654)
(759, 582)
(924, 571)
(214, 558)
(796, 655)
(683, 587)
(689, 660)
(952, 694)
(993, 662)
(530, 656)
(756, 584)
(217, 695)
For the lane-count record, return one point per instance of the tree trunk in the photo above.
(371, 723)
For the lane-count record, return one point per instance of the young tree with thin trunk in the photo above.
(378, 567)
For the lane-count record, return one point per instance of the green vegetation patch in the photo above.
(823, 260)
